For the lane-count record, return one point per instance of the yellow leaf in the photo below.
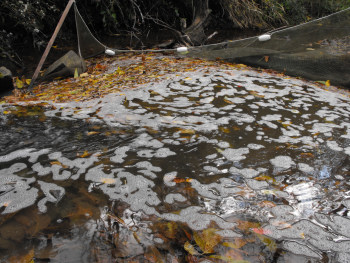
(265, 178)
(84, 155)
(108, 180)
(120, 72)
(187, 131)
(328, 83)
(190, 249)
(224, 129)
(28, 81)
(92, 133)
(76, 74)
(207, 239)
(7, 112)
(239, 242)
(19, 83)
(84, 75)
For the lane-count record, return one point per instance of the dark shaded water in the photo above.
(211, 166)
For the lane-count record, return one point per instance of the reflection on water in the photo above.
(215, 165)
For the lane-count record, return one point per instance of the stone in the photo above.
(6, 83)
(65, 66)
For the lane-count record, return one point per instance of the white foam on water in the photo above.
(305, 168)
(333, 145)
(171, 198)
(235, 155)
(18, 193)
(282, 162)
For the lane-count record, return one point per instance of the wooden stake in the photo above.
(49, 45)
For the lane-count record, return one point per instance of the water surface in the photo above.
(210, 166)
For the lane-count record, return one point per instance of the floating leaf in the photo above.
(307, 155)
(266, 58)
(58, 163)
(227, 100)
(84, 155)
(266, 203)
(181, 180)
(265, 178)
(224, 129)
(260, 231)
(108, 180)
(187, 131)
(92, 133)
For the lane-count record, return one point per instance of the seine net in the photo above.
(317, 50)
(88, 45)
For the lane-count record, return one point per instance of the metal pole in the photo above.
(49, 45)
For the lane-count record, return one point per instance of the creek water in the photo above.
(209, 166)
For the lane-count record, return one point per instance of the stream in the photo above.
(208, 166)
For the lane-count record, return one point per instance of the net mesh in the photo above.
(88, 45)
(317, 50)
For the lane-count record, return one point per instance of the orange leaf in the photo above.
(266, 58)
(58, 163)
(84, 155)
(182, 180)
(306, 155)
(92, 133)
